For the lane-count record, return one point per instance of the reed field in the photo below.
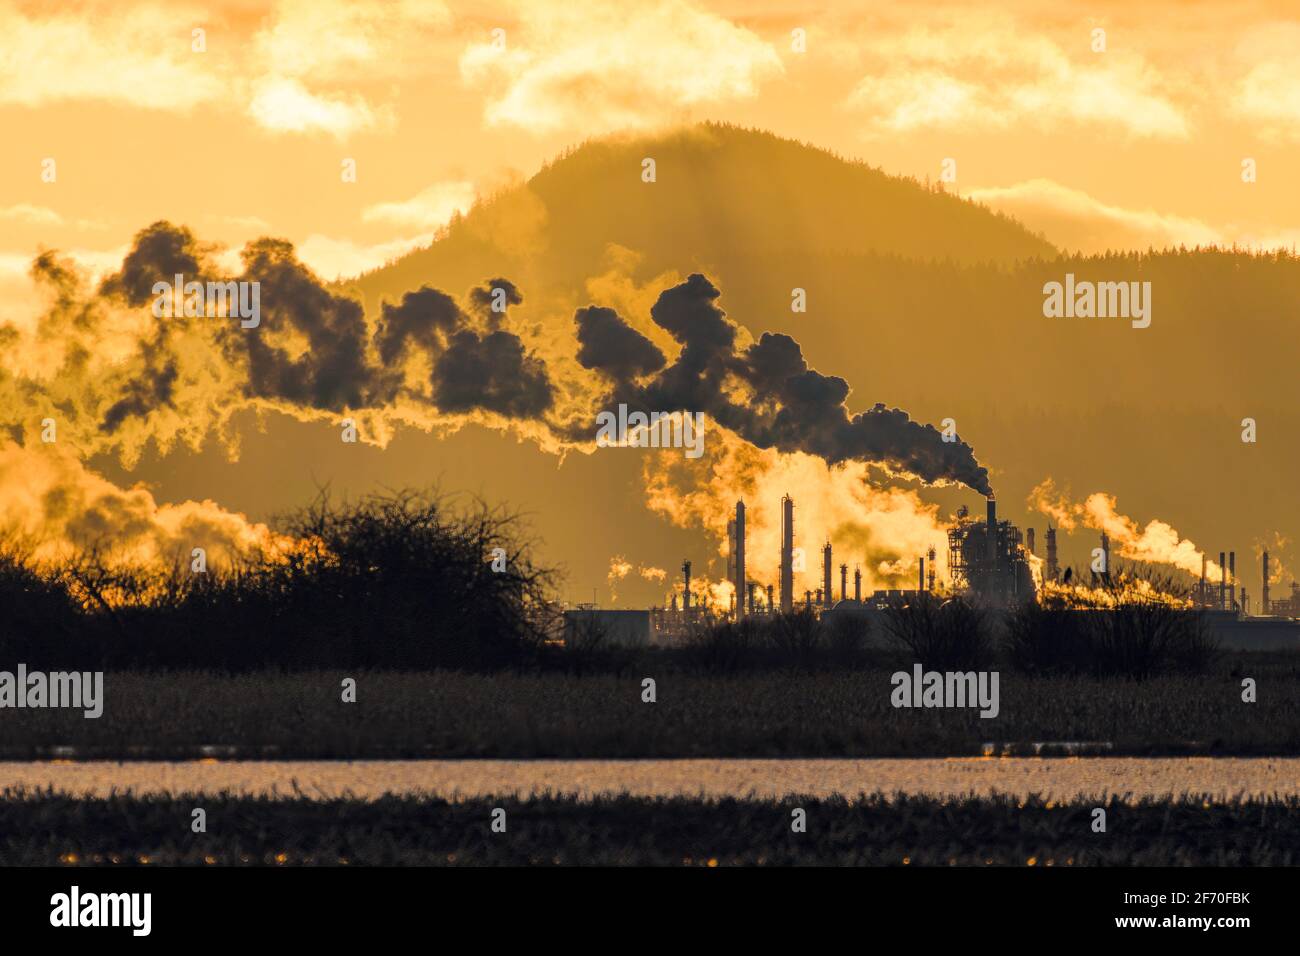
(769, 714)
(46, 830)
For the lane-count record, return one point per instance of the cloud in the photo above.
(31, 215)
(286, 106)
(428, 209)
(1270, 96)
(311, 47)
(139, 55)
(293, 74)
(330, 40)
(616, 66)
(999, 74)
(336, 258)
(1074, 220)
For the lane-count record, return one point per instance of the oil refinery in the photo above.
(989, 561)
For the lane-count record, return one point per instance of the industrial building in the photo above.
(625, 628)
(987, 559)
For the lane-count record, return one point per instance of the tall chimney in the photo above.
(991, 534)
(1105, 554)
(920, 577)
(857, 584)
(1223, 581)
(807, 598)
(1029, 538)
(740, 558)
(787, 554)
(1053, 568)
(752, 585)
(844, 582)
(1263, 594)
(826, 575)
(769, 599)
(931, 555)
(1232, 580)
(686, 590)
(1205, 594)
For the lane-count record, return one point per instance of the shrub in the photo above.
(951, 634)
(402, 580)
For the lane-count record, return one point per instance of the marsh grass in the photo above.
(781, 713)
(44, 829)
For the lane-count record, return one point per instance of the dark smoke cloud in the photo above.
(314, 349)
(342, 366)
(608, 344)
(424, 318)
(481, 299)
(143, 396)
(160, 252)
(492, 372)
(333, 372)
(791, 407)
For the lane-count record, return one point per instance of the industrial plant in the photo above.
(990, 562)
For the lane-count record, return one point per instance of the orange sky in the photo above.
(1140, 143)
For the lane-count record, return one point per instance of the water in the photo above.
(1060, 778)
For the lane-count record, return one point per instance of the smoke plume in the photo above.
(763, 391)
(113, 378)
(1156, 543)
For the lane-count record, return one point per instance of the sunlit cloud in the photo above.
(292, 75)
(1079, 222)
(31, 215)
(613, 66)
(285, 105)
(138, 55)
(333, 258)
(428, 209)
(958, 77)
(330, 39)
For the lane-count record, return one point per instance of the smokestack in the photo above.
(1053, 567)
(857, 584)
(769, 599)
(1232, 580)
(1205, 595)
(1029, 540)
(807, 598)
(1263, 593)
(751, 587)
(740, 558)
(686, 590)
(932, 559)
(1105, 555)
(1223, 581)
(920, 578)
(787, 554)
(992, 533)
(844, 582)
(825, 599)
